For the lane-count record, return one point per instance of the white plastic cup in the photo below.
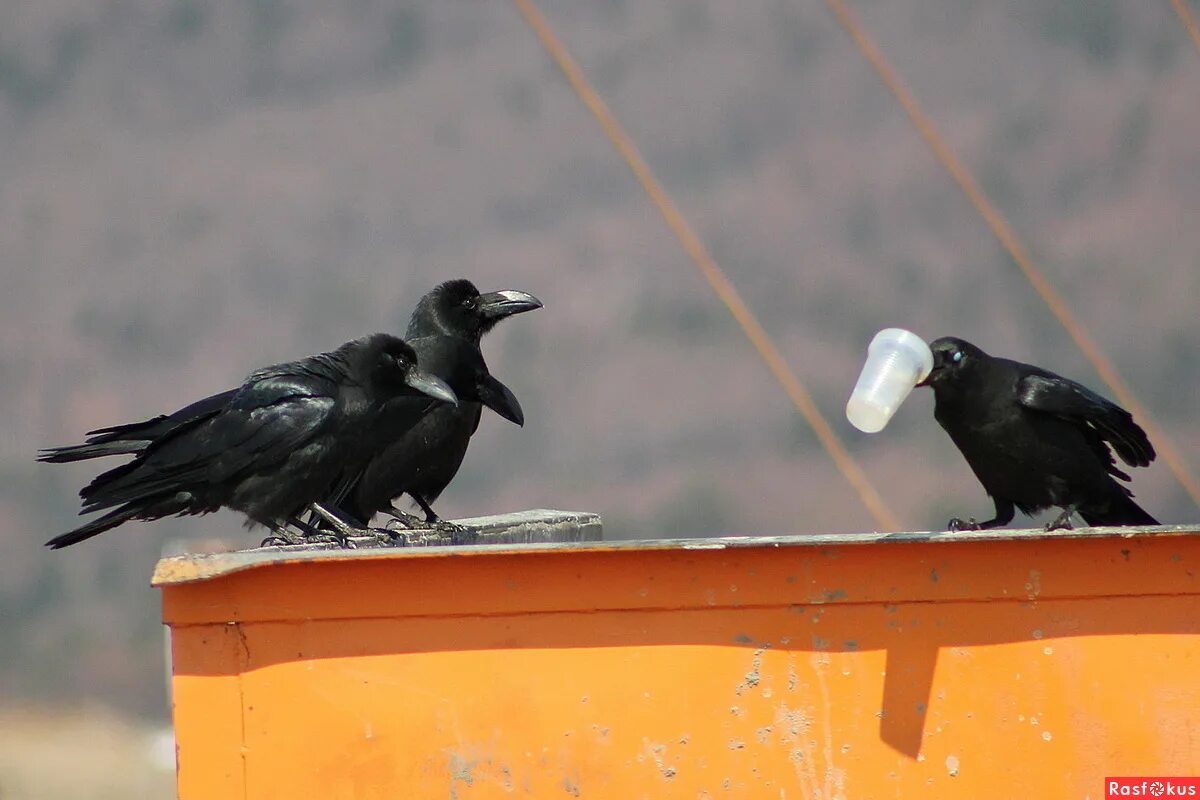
(897, 360)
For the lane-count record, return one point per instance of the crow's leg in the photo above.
(337, 519)
(457, 533)
(405, 519)
(431, 517)
(1062, 521)
(319, 529)
(1005, 511)
(342, 528)
(309, 534)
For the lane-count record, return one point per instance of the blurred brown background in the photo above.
(192, 189)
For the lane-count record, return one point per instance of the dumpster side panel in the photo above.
(208, 661)
(1028, 669)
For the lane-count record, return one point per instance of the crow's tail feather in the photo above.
(83, 452)
(97, 526)
(1119, 510)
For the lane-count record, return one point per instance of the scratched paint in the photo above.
(754, 675)
(657, 753)
(461, 771)
(1033, 587)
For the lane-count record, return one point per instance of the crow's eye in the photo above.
(957, 357)
(468, 302)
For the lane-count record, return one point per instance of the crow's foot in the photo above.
(340, 528)
(1062, 521)
(458, 534)
(281, 537)
(404, 519)
(330, 537)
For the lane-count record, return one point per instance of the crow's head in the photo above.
(456, 308)
(953, 359)
(392, 365)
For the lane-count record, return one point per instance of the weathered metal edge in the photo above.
(190, 568)
(536, 527)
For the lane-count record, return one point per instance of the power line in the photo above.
(1091, 351)
(1189, 22)
(712, 273)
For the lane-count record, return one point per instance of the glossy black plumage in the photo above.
(272, 448)
(1035, 439)
(445, 330)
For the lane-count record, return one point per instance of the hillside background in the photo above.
(192, 189)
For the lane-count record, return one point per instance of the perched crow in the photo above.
(273, 447)
(445, 330)
(1035, 439)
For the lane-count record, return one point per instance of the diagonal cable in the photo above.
(712, 273)
(1189, 22)
(1091, 351)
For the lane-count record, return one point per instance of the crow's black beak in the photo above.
(433, 387)
(505, 303)
(499, 398)
(938, 364)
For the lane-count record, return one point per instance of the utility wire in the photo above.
(1091, 351)
(799, 395)
(1189, 22)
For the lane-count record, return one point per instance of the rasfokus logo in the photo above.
(1151, 787)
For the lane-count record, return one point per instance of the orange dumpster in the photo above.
(993, 664)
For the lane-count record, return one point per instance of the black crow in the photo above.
(273, 448)
(1035, 439)
(445, 330)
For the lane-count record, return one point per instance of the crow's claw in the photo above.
(969, 524)
(329, 538)
(409, 521)
(340, 528)
(1061, 522)
(280, 540)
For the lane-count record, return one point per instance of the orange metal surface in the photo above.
(994, 666)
